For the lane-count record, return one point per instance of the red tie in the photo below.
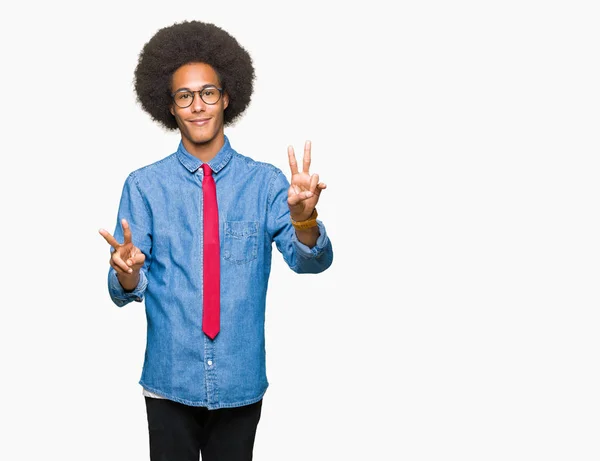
(212, 256)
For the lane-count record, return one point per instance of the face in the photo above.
(201, 125)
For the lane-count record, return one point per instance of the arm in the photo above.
(304, 250)
(303, 194)
(308, 236)
(129, 262)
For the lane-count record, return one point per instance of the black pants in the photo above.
(180, 432)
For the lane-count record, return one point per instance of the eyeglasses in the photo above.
(208, 94)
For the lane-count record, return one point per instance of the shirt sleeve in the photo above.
(134, 208)
(121, 297)
(299, 257)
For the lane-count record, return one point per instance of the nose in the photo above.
(197, 104)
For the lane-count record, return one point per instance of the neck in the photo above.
(204, 151)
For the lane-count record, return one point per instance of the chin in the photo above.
(202, 139)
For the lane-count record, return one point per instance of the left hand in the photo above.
(305, 188)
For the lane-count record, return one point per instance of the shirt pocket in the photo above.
(240, 244)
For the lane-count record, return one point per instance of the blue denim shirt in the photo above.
(163, 205)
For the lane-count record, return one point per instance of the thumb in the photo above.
(136, 258)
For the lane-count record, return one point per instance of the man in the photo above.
(197, 229)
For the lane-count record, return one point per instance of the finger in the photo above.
(295, 199)
(131, 257)
(306, 159)
(137, 259)
(292, 190)
(291, 193)
(117, 269)
(314, 180)
(126, 231)
(109, 238)
(117, 262)
(322, 185)
(292, 160)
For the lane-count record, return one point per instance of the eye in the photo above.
(209, 92)
(183, 96)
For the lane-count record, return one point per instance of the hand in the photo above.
(305, 188)
(126, 258)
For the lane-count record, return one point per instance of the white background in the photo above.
(459, 141)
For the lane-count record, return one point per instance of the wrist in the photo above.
(308, 223)
(129, 282)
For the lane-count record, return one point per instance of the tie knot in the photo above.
(207, 170)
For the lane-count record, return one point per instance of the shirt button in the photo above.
(209, 363)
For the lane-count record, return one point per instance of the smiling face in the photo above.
(201, 125)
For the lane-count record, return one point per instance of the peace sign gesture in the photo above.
(126, 257)
(305, 188)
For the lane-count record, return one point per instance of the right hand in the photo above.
(126, 258)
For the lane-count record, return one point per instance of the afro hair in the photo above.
(187, 42)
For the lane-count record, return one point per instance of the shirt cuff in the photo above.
(121, 297)
(315, 251)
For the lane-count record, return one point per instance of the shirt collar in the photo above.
(217, 163)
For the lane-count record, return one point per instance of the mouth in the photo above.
(199, 121)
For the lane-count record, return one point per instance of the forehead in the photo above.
(194, 75)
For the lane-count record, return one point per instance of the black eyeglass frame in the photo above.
(186, 90)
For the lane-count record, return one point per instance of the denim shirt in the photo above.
(163, 204)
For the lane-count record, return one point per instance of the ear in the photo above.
(225, 100)
(172, 110)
